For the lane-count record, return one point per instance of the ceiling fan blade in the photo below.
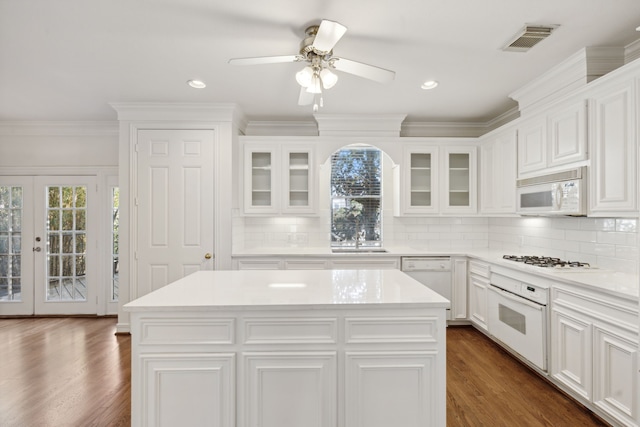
(264, 60)
(328, 35)
(360, 69)
(305, 97)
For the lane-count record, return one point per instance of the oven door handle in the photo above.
(515, 298)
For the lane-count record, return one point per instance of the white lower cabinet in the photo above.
(478, 285)
(210, 378)
(594, 351)
(390, 389)
(615, 366)
(459, 288)
(571, 352)
(319, 367)
(289, 389)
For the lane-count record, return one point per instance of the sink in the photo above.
(358, 250)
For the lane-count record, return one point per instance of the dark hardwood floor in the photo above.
(488, 387)
(64, 372)
(75, 372)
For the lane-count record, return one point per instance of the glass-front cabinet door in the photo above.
(420, 184)
(260, 180)
(298, 194)
(460, 183)
(279, 178)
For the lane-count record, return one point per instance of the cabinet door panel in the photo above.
(260, 180)
(615, 367)
(210, 379)
(613, 163)
(289, 389)
(532, 147)
(478, 301)
(420, 181)
(391, 389)
(299, 177)
(568, 135)
(571, 352)
(460, 180)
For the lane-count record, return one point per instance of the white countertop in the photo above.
(613, 282)
(204, 290)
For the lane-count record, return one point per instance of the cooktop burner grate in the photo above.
(542, 261)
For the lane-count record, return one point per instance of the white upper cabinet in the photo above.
(532, 146)
(419, 188)
(437, 179)
(612, 117)
(460, 180)
(279, 179)
(568, 133)
(554, 139)
(498, 173)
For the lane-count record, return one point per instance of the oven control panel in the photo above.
(526, 290)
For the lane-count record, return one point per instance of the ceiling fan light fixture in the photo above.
(315, 86)
(304, 77)
(328, 78)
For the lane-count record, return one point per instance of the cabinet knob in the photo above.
(207, 256)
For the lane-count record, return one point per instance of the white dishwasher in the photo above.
(433, 272)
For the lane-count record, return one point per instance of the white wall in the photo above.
(52, 145)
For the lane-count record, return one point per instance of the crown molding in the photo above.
(632, 51)
(576, 71)
(59, 128)
(281, 128)
(359, 124)
(168, 111)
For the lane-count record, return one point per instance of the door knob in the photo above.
(38, 249)
(207, 255)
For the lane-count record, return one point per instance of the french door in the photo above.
(48, 246)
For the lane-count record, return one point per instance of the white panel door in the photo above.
(175, 206)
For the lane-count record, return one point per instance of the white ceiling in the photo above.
(67, 59)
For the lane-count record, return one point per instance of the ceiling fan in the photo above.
(316, 51)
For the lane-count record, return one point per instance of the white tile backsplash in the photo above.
(605, 242)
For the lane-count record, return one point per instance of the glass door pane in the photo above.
(11, 202)
(66, 243)
(66, 248)
(16, 237)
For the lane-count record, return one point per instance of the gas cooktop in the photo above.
(543, 261)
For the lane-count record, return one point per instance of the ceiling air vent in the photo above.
(528, 37)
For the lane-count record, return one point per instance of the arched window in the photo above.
(356, 197)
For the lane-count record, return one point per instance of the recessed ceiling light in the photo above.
(429, 84)
(197, 84)
(638, 29)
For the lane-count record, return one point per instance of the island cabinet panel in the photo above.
(390, 389)
(209, 379)
(288, 389)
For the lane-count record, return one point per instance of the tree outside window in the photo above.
(356, 202)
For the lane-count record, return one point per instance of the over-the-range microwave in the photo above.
(561, 193)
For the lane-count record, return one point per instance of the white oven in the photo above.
(517, 317)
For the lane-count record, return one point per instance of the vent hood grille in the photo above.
(528, 37)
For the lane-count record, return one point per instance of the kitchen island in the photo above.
(289, 348)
